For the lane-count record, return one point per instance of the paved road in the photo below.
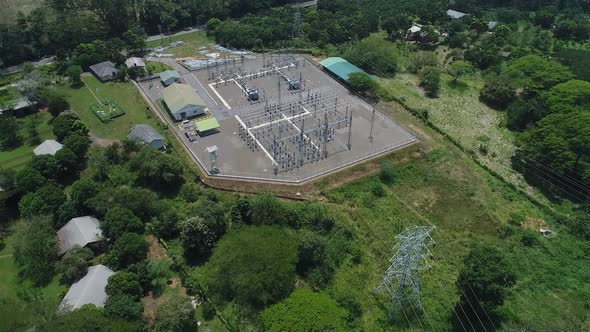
(15, 69)
(179, 33)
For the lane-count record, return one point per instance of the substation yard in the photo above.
(282, 119)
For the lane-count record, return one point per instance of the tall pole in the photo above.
(372, 125)
(349, 145)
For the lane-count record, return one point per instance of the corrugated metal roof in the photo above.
(167, 75)
(455, 14)
(135, 62)
(179, 96)
(50, 147)
(91, 289)
(104, 69)
(340, 67)
(145, 133)
(78, 231)
(207, 124)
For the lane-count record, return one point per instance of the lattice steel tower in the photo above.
(401, 280)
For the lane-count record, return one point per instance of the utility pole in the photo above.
(401, 281)
(372, 125)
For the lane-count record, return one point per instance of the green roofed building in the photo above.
(340, 67)
(169, 76)
(183, 102)
(207, 126)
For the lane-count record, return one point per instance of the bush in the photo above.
(377, 189)
(387, 174)
(177, 314)
(430, 80)
(530, 239)
(123, 307)
(208, 310)
(130, 248)
(254, 266)
(74, 265)
(124, 284)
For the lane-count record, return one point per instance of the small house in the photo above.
(105, 71)
(169, 76)
(413, 31)
(455, 14)
(49, 147)
(80, 231)
(147, 135)
(91, 289)
(135, 62)
(183, 102)
(207, 126)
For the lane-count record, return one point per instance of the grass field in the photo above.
(468, 206)
(17, 158)
(157, 67)
(122, 93)
(459, 113)
(192, 41)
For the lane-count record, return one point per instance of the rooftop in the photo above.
(134, 62)
(104, 69)
(340, 67)
(145, 133)
(177, 96)
(455, 14)
(88, 290)
(207, 124)
(49, 147)
(78, 231)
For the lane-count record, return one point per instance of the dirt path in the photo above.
(98, 141)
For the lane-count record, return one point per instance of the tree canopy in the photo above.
(305, 310)
(253, 265)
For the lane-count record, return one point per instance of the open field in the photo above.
(122, 93)
(157, 67)
(468, 206)
(11, 7)
(17, 158)
(192, 41)
(460, 114)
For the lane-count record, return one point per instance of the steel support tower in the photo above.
(401, 281)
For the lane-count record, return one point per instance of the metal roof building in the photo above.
(183, 102)
(169, 76)
(91, 289)
(78, 232)
(340, 67)
(104, 71)
(207, 126)
(455, 14)
(147, 135)
(49, 147)
(135, 62)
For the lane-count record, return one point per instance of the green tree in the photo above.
(45, 201)
(305, 310)
(119, 221)
(123, 307)
(9, 132)
(156, 169)
(430, 80)
(46, 165)
(29, 179)
(213, 24)
(267, 210)
(79, 144)
(166, 224)
(56, 102)
(176, 314)
(135, 40)
(488, 277)
(67, 162)
(88, 318)
(129, 248)
(363, 83)
(198, 235)
(74, 72)
(421, 59)
(35, 249)
(124, 284)
(34, 138)
(241, 211)
(254, 266)
(498, 92)
(460, 68)
(571, 96)
(535, 74)
(74, 265)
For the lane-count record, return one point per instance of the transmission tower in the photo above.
(297, 30)
(401, 281)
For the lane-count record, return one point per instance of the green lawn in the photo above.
(192, 42)
(157, 67)
(123, 93)
(18, 157)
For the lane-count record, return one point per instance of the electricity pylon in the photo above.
(401, 280)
